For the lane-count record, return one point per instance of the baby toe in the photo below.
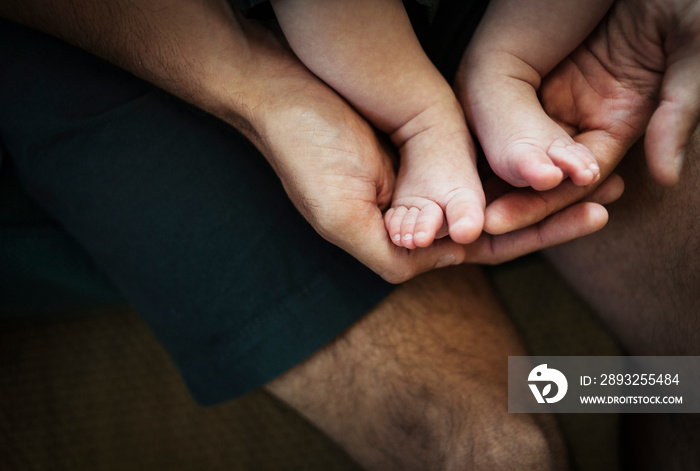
(577, 161)
(465, 216)
(428, 223)
(393, 220)
(408, 226)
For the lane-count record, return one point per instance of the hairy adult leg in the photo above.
(421, 383)
(642, 274)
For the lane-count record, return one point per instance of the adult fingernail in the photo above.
(446, 260)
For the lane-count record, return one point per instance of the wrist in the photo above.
(201, 52)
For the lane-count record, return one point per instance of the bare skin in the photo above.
(425, 371)
(340, 176)
(635, 73)
(367, 51)
(638, 71)
(647, 292)
(334, 168)
(248, 110)
(516, 45)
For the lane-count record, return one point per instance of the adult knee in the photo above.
(472, 433)
(518, 442)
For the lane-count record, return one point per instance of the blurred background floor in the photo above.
(93, 390)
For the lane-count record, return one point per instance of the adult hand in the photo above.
(340, 176)
(638, 70)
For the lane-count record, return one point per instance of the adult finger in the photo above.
(364, 236)
(608, 191)
(569, 224)
(677, 116)
(522, 208)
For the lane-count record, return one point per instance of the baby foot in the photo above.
(438, 191)
(523, 145)
(416, 221)
(527, 162)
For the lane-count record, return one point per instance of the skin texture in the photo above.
(335, 169)
(635, 73)
(421, 383)
(640, 274)
(340, 176)
(281, 112)
(515, 46)
(367, 51)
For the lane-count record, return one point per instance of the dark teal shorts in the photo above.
(111, 189)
